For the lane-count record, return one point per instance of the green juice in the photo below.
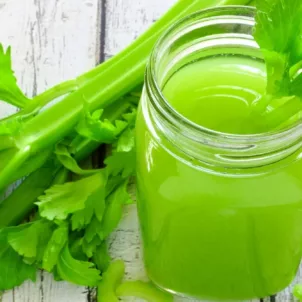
(212, 235)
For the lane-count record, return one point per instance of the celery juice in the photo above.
(210, 234)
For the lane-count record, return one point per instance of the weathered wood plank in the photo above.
(27, 292)
(127, 19)
(52, 41)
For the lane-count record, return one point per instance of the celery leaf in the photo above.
(55, 245)
(101, 257)
(296, 86)
(76, 271)
(114, 209)
(89, 248)
(102, 131)
(121, 162)
(66, 159)
(94, 229)
(126, 141)
(9, 89)
(31, 240)
(94, 206)
(278, 32)
(14, 271)
(62, 200)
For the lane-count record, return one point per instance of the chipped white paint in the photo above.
(54, 40)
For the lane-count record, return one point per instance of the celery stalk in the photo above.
(96, 89)
(282, 114)
(143, 290)
(21, 201)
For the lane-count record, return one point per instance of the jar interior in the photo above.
(213, 74)
(219, 93)
(203, 79)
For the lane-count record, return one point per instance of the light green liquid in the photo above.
(218, 94)
(216, 236)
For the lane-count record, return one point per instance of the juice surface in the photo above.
(218, 94)
(216, 235)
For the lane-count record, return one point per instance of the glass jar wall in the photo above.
(219, 193)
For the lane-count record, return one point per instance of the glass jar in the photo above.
(220, 214)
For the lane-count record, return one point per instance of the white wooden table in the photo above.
(56, 40)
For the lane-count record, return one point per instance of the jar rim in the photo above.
(162, 106)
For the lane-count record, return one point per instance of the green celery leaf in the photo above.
(278, 80)
(131, 117)
(278, 26)
(76, 271)
(126, 142)
(9, 89)
(94, 229)
(101, 131)
(113, 183)
(82, 218)
(110, 282)
(296, 86)
(114, 209)
(45, 231)
(278, 32)
(18, 239)
(89, 248)
(69, 162)
(101, 257)
(55, 245)
(13, 270)
(30, 240)
(122, 160)
(99, 204)
(121, 163)
(135, 96)
(62, 200)
(8, 127)
(95, 205)
(76, 249)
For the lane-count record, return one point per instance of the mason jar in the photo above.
(220, 206)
